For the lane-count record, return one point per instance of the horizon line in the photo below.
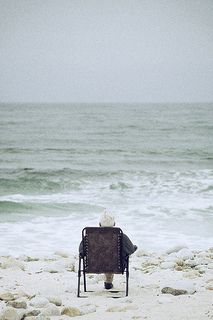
(107, 102)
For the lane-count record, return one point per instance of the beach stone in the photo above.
(21, 294)
(10, 314)
(87, 309)
(18, 304)
(32, 313)
(192, 274)
(42, 317)
(185, 254)
(209, 287)
(175, 249)
(142, 253)
(51, 310)
(191, 263)
(174, 292)
(122, 308)
(39, 317)
(31, 259)
(55, 300)
(167, 265)
(179, 268)
(62, 254)
(7, 296)
(39, 302)
(71, 311)
(12, 263)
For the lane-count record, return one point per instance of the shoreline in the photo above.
(177, 284)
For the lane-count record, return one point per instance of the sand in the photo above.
(176, 285)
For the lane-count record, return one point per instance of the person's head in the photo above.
(107, 220)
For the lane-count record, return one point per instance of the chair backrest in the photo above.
(102, 249)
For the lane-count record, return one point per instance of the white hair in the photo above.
(107, 220)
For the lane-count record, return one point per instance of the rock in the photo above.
(18, 304)
(192, 274)
(30, 259)
(71, 311)
(55, 300)
(39, 317)
(51, 310)
(167, 265)
(39, 302)
(87, 309)
(10, 314)
(32, 313)
(180, 263)
(7, 296)
(175, 249)
(183, 285)
(122, 308)
(178, 268)
(185, 254)
(21, 294)
(42, 317)
(142, 253)
(12, 263)
(174, 292)
(191, 263)
(62, 254)
(209, 286)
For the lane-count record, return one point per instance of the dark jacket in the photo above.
(127, 249)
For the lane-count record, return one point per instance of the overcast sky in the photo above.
(106, 50)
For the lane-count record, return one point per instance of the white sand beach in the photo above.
(177, 285)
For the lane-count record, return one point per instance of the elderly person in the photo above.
(107, 220)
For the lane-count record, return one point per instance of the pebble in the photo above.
(51, 310)
(87, 309)
(142, 253)
(173, 291)
(7, 296)
(122, 308)
(12, 263)
(32, 313)
(191, 263)
(18, 304)
(39, 302)
(191, 274)
(209, 287)
(167, 265)
(175, 249)
(185, 254)
(55, 300)
(10, 314)
(71, 311)
(42, 317)
(181, 284)
(62, 254)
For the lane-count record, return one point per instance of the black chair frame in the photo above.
(82, 267)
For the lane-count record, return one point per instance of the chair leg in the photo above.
(84, 273)
(79, 276)
(127, 278)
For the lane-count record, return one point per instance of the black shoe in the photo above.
(108, 285)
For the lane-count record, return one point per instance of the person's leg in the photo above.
(108, 280)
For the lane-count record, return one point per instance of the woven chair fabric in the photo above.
(102, 248)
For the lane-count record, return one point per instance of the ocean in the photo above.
(61, 165)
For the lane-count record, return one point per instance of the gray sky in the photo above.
(106, 50)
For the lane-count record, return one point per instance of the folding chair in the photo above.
(102, 247)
